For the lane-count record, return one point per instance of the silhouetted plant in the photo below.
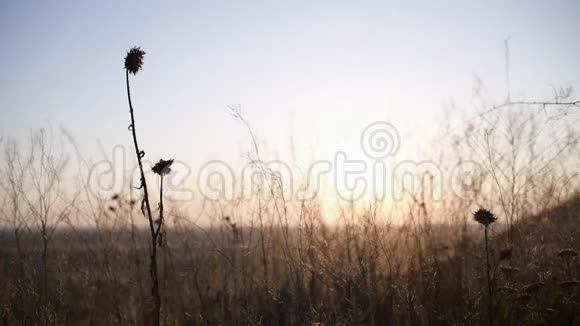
(161, 168)
(486, 218)
(134, 63)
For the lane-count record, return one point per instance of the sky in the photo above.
(308, 75)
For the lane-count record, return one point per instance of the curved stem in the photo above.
(153, 263)
(138, 154)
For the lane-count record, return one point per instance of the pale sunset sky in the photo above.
(308, 74)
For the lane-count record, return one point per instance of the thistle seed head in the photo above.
(134, 60)
(484, 217)
(162, 167)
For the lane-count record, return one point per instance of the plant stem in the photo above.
(490, 294)
(158, 231)
(153, 262)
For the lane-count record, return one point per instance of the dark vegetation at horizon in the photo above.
(357, 274)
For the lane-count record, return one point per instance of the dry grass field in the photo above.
(500, 249)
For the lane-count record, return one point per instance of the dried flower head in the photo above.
(484, 217)
(162, 167)
(134, 60)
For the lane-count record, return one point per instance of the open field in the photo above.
(361, 273)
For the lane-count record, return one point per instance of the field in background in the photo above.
(363, 273)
